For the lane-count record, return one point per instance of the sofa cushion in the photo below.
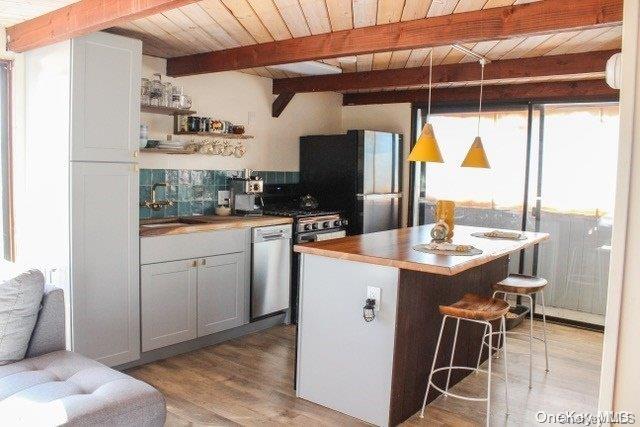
(20, 299)
(65, 388)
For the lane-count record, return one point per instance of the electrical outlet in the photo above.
(222, 195)
(374, 293)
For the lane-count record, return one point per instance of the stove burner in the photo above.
(297, 213)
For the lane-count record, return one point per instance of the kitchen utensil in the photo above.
(184, 102)
(308, 202)
(144, 135)
(145, 88)
(237, 130)
(183, 123)
(155, 90)
(223, 211)
(193, 124)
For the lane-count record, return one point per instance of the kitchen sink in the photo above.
(181, 221)
(164, 224)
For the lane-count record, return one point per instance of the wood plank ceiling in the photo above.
(211, 25)
(15, 11)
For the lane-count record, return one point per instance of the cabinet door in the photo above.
(221, 293)
(105, 100)
(168, 303)
(105, 314)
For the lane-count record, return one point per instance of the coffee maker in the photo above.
(246, 195)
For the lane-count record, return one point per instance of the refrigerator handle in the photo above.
(373, 196)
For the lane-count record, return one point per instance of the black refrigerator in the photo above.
(358, 173)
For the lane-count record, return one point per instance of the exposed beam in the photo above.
(83, 17)
(543, 66)
(583, 90)
(543, 17)
(280, 103)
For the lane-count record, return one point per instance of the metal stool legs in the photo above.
(446, 392)
(531, 336)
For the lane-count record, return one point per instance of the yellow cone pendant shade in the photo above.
(476, 157)
(426, 148)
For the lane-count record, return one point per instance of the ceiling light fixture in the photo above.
(308, 68)
(477, 157)
(426, 148)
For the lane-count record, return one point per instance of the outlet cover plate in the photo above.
(374, 293)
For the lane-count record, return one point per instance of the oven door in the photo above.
(320, 235)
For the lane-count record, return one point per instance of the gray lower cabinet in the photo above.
(205, 292)
(221, 293)
(168, 309)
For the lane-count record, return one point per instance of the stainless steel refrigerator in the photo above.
(358, 173)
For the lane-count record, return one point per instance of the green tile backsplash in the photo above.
(195, 192)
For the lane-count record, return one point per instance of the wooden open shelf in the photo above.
(166, 151)
(216, 135)
(167, 111)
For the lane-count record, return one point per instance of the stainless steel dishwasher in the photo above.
(270, 270)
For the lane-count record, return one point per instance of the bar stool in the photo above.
(523, 286)
(475, 309)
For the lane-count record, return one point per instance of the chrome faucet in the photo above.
(154, 204)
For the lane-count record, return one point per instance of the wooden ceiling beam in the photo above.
(562, 91)
(83, 17)
(280, 103)
(543, 17)
(543, 66)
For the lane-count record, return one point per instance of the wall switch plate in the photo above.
(222, 195)
(374, 293)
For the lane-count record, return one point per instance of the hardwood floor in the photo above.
(248, 381)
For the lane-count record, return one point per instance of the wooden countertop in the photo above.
(183, 225)
(393, 248)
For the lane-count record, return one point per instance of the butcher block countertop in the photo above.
(393, 248)
(183, 225)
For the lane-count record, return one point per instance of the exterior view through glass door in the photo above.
(557, 163)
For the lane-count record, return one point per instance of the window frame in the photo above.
(6, 168)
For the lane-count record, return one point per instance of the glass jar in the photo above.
(156, 90)
(145, 88)
(167, 93)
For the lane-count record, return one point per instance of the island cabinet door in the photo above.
(344, 362)
(222, 284)
(168, 303)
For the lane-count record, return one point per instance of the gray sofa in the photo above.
(52, 386)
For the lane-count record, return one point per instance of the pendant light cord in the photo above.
(482, 63)
(430, 80)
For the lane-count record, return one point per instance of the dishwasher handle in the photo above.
(266, 234)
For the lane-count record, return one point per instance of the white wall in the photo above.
(236, 96)
(389, 118)
(8, 269)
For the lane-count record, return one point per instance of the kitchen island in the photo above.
(377, 371)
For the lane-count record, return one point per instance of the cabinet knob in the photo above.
(204, 262)
(194, 263)
(135, 153)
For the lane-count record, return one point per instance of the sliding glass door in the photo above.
(574, 204)
(553, 170)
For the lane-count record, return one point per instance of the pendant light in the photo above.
(426, 148)
(477, 157)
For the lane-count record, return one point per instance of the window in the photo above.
(553, 169)
(6, 212)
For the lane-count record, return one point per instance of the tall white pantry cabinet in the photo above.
(82, 122)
